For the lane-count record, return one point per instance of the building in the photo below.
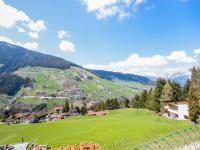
(99, 113)
(176, 110)
(58, 109)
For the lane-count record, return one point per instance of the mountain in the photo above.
(29, 79)
(13, 57)
(181, 78)
(109, 75)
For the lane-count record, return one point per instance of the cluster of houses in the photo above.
(56, 114)
(31, 146)
(27, 117)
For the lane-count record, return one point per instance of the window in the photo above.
(173, 107)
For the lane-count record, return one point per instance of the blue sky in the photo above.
(117, 35)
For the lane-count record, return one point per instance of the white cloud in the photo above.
(10, 17)
(180, 57)
(157, 65)
(62, 34)
(197, 51)
(107, 12)
(34, 35)
(28, 45)
(6, 39)
(138, 2)
(67, 46)
(20, 30)
(93, 5)
(107, 8)
(37, 26)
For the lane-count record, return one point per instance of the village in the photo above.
(57, 113)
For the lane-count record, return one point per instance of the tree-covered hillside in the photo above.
(109, 75)
(14, 57)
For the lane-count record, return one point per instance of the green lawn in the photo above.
(34, 101)
(119, 130)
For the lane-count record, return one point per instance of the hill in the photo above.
(75, 84)
(32, 78)
(109, 75)
(13, 57)
(119, 130)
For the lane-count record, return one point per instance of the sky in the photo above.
(144, 37)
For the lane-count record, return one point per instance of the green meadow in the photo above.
(119, 130)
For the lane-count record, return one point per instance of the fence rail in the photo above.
(188, 139)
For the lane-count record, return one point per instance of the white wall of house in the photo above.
(181, 112)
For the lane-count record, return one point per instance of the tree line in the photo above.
(163, 91)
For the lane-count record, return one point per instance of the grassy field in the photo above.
(119, 130)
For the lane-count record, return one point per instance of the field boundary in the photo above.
(187, 139)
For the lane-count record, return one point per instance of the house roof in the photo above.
(99, 113)
(18, 115)
(58, 108)
(20, 146)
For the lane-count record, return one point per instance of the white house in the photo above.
(177, 110)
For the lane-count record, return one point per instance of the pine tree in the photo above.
(194, 95)
(151, 100)
(167, 93)
(66, 106)
(108, 104)
(143, 99)
(126, 103)
(156, 102)
(135, 101)
(83, 110)
(185, 90)
(177, 91)
(115, 103)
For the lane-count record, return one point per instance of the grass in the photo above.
(119, 130)
(33, 101)
(52, 103)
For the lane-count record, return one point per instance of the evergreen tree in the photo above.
(66, 106)
(150, 103)
(83, 110)
(177, 91)
(126, 103)
(156, 102)
(115, 103)
(108, 104)
(143, 99)
(194, 95)
(185, 90)
(167, 93)
(135, 101)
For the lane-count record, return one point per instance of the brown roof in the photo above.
(18, 115)
(58, 108)
(99, 113)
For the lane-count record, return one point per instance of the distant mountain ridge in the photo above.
(13, 57)
(109, 75)
(181, 78)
